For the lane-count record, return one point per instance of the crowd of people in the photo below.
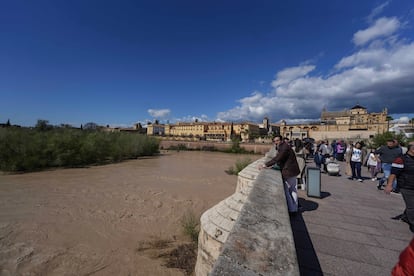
(357, 155)
(392, 165)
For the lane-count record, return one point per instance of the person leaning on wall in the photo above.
(287, 163)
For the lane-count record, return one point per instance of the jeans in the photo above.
(291, 192)
(356, 169)
(373, 171)
(386, 168)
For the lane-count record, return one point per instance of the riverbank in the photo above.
(107, 219)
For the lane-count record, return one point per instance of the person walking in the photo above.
(387, 154)
(402, 170)
(340, 149)
(334, 147)
(286, 160)
(357, 155)
(324, 152)
(372, 164)
(348, 154)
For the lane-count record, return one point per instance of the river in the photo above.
(104, 220)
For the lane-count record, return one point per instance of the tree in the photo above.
(235, 145)
(66, 126)
(43, 125)
(388, 119)
(90, 126)
(8, 123)
(381, 139)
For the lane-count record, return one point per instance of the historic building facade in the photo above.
(348, 124)
(354, 123)
(211, 131)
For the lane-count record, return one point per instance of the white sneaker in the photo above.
(360, 180)
(374, 179)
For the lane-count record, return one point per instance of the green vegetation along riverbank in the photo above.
(24, 149)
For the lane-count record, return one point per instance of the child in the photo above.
(372, 164)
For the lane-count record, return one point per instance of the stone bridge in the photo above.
(249, 233)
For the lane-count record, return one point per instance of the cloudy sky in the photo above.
(122, 62)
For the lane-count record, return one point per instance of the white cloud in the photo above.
(401, 120)
(287, 75)
(363, 57)
(378, 10)
(378, 75)
(159, 113)
(382, 27)
(192, 118)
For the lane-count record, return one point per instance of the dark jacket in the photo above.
(403, 168)
(286, 160)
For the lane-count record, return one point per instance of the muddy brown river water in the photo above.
(97, 220)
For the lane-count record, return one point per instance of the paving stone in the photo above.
(369, 230)
(344, 249)
(391, 243)
(388, 258)
(332, 265)
(358, 268)
(343, 234)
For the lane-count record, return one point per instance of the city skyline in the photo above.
(134, 61)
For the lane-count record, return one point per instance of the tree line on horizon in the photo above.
(44, 125)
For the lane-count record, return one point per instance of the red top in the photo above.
(405, 266)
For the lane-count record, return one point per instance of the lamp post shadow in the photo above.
(307, 258)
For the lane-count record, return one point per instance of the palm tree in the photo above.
(388, 119)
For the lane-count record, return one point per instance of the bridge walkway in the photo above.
(349, 230)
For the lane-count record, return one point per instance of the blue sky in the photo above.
(122, 62)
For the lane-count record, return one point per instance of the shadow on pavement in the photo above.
(307, 258)
(325, 194)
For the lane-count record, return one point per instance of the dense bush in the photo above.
(235, 147)
(190, 225)
(239, 166)
(23, 149)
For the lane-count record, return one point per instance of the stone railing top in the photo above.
(261, 241)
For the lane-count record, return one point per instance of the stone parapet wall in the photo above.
(248, 233)
(218, 221)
